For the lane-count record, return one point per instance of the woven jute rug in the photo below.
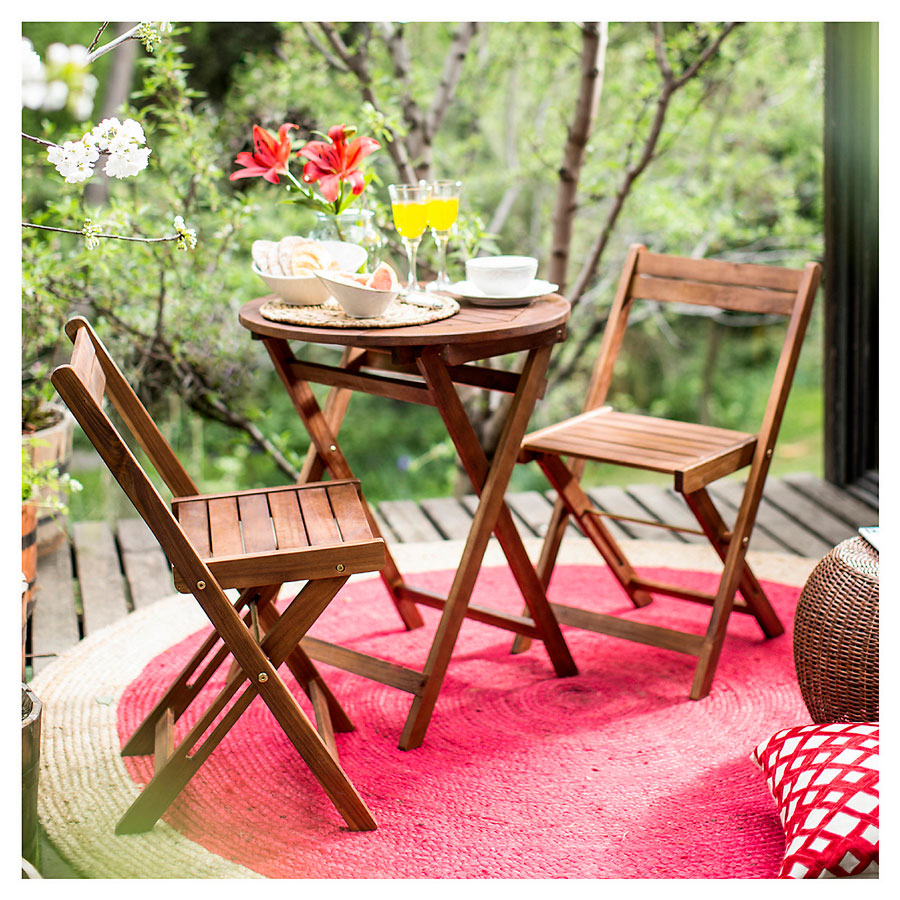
(613, 773)
(399, 314)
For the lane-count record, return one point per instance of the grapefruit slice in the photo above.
(384, 278)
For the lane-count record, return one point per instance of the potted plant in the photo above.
(47, 431)
(43, 487)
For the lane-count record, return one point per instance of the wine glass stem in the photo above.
(441, 238)
(411, 246)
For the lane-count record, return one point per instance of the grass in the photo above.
(402, 453)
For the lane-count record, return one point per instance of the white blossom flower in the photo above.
(91, 234)
(56, 95)
(63, 80)
(60, 55)
(100, 135)
(187, 237)
(149, 33)
(133, 131)
(34, 77)
(73, 160)
(123, 164)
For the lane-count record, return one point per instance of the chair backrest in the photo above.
(82, 383)
(740, 287)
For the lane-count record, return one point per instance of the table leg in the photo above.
(490, 481)
(328, 455)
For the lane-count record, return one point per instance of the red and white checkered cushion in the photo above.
(824, 779)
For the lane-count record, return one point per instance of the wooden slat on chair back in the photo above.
(84, 400)
(80, 384)
(740, 287)
(95, 367)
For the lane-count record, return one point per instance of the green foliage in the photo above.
(45, 482)
(736, 175)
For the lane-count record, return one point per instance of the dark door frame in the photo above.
(851, 255)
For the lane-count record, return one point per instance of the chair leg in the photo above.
(549, 551)
(718, 622)
(704, 510)
(330, 716)
(580, 508)
(182, 691)
(284, 635)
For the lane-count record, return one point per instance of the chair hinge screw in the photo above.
(262, 678)
(340, 567)
(333, 448)
(201, 585)
(769, 453)
(745, 541)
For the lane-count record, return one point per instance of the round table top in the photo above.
(471, 325)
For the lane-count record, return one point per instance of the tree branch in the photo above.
(446, 89)
(333, 61)
(356, 63)
(670, 84)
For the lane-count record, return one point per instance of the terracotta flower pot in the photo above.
(29, 568)
(53, 446)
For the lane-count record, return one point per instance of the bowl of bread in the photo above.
(288, 266)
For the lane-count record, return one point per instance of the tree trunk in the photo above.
(593, 55)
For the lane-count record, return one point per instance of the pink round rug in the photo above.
(613, 773)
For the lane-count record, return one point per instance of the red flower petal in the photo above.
(328, 185)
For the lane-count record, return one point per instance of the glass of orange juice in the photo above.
(443, 208)
(409, 206)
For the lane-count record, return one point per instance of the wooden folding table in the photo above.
(425, 364)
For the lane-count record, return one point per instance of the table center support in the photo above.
(425, 365)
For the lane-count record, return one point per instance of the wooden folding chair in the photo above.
(693, 454)
(250, 540)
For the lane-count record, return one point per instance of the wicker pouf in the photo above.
(836, 635)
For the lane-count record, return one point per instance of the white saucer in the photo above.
(467, 291)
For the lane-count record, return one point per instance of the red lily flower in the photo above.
(271, 157)
(331, 163)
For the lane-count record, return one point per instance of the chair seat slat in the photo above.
(289, 530)
(224, 528)
(256, 523)
(317, 515)
(349, 513)
(708, 434)
(193, 516)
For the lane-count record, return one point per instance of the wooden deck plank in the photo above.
(838, 502)
(615, 500)
(791, 534)
(408, 521)
(449, 516)
(55, 626)
(384, 529)
(99, 575)
(147, 570)
(814, 517)
(667, 506)
(760, 540)
(533, 509)
(54, 623)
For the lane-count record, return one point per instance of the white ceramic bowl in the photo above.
(501, 275)
(357, 301)
(307, 290)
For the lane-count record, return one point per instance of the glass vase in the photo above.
(355, 226)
